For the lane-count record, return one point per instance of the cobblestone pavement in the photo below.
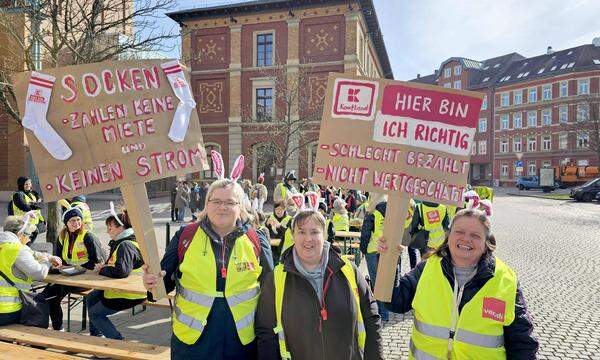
(554, 247)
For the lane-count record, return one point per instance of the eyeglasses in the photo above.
(226, 203)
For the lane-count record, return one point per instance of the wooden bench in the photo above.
(162, 304)
(83, 344)
(14, 351)
(74, 299)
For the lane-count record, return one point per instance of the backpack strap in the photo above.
(255, 239)
(185, 239)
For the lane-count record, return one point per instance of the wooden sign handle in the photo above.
(138, 208)
(393, 229)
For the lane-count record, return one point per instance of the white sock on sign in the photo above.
(36, 109)
(180, 87)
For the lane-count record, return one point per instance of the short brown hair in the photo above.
(123, 217)
(302, 216)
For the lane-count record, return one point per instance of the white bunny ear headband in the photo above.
(218, 167)
(29, 215)
(313, 201)
(114, 213)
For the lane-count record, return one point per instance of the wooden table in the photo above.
(89, 280)
(13, 351)
(348, 234)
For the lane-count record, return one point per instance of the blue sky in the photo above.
(420, 34)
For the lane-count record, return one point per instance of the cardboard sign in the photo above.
(114, 118)
(406, 140)
(389, 136)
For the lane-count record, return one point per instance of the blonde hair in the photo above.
(238, 195)
(14, 223)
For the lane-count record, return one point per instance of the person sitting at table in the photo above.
(75, 246)
(20, 264)
(125, 258)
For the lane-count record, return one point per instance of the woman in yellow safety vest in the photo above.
(26, 199)
(467, 303)
(216, 265)
(124, 259)
(316, 305)
(20, 265)
(75, 246)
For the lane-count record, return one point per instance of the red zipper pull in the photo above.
(223, 272)
(324, 314)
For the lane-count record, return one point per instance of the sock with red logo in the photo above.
(36, 109)
(180, 87)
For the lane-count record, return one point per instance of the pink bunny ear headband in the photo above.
(313, 201)
(29, 215)
(218, 167)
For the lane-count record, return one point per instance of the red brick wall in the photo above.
(322, 39)
(210, 48)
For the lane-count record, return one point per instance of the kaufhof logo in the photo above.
(354, 99)
(37, 97)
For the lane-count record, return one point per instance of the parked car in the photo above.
(528, 182)
(586, 192)
(598, 196)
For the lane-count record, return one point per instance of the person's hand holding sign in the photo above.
(383, 246)
(150, 280)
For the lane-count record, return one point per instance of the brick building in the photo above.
(543, 110)
(238, 55)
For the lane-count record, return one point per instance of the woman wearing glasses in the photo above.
(217, 265)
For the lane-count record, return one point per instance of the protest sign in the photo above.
(406, 140)
(100, 126)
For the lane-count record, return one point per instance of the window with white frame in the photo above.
(504, 146)
(563, 140)
(504, 169)
(547, 116)
(503, 121)
(546, 142)
(484, 103)
(482, 147)
(583, 162)
(474, 148)
(482, 125)
(518, 97)
(210, 174)
(517, 120)
(547, 164)
(504, 101)
(547, 92)
(531, 118)
(531, 168)
(448, 85)
(563, 114)
(583, 140)
(517, 145)
(263, 104)
(531, 143)
(583, 112)
(457, 70)
(457, 85)
(564, 88)
(447, 72)
(583, 86)
(264, 49)
(532, 95)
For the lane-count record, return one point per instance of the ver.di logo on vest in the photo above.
(354, 99)
(493, 309)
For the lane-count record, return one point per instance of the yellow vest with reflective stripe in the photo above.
(451, 209)
(279, 277)
(9, 295)
(79, 255)
(480, 327)
(288, 241)
(87, 214)
(432, 220)
(18, 212)
(197, 288)
(110, 294)
(341, 222)
(377, 232)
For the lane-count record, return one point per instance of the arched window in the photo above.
(210, 174)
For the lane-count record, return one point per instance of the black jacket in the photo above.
(219, 339)
(92, 244)
(518, 340)
(129, 257)
(18, 197)
(369, 226)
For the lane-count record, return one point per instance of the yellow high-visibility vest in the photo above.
(28, 198)
(479, 332)
(111, 294)
(9, 295)
(79, 255)
(432, 220)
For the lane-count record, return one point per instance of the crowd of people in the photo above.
(239, 297)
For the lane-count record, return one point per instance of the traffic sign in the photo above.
(519, 164)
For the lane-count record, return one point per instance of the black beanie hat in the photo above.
(72, 212)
